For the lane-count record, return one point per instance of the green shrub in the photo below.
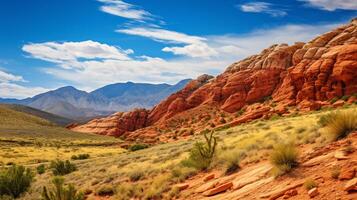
(15, 180)
(137, 147)
(60, 192)
(105, 190)
(284, 158)
(80, 157)
(240, 112)
(309, 184)
(333, 100)
(341, 124)
(201, 155)
(41, 169)
(60, 167)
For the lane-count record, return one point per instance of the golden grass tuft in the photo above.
(284, 158)
(340, 124)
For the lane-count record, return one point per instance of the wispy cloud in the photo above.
(125, 10)
(9, 88)
(332, 5)
(262, 7)
(194, 46)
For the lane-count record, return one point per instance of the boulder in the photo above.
(351, 185)
(313, 192)
(220, 188)
(208, 177)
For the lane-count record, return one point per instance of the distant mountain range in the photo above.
(79, 105)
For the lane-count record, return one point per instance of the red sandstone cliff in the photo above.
(307, 76)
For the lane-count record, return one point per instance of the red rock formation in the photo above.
(307, 76)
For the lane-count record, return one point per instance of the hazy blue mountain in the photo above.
(75, 104)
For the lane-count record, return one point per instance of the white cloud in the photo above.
(70, 52)
(262, 7)
(7, 77)
(123, 9)
(195, 46)
(332, 5)
(162, 35)
(10, 89)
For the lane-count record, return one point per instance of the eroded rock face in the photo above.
(307, 76)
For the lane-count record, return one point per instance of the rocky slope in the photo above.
(306, 76)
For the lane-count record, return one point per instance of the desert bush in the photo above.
(231, 160)
(137, 147)
(284, 158)
(15, 180)
(80, 157)
(309, 184)
(181, 173)
(105, 190)
(60, 192)
(326, 119)
(41, 169)
(341, 124)
(127, 191)
(335, 172)
(201, 155)
(136, 175)
(159, 185)
(60, 167)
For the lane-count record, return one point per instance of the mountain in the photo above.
(58, 120)
(72, 103)
(281, 80)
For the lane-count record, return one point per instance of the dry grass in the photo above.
(340, 124)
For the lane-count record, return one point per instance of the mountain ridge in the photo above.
(80, 105)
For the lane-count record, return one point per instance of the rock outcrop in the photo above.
(305, 75)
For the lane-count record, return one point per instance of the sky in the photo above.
(47, 44)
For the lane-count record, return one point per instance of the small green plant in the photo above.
(60, 192)
(284, 158)
(333, 100)
(80, 157)
(15, 180)
(60, 167)
(137, 147)
(240, 112)
(341, 124)
(345, 97)
(201, 155)
(309, 184)
(41, 169)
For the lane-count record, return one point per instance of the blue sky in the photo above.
(46, 44)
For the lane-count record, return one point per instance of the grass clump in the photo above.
(60, 192)
(60, 167)
(137, 147)
(341, 123)
(231, 160)
(335, 172)
(80, 157)
(127, 191)
(41, 169)
(159, 185)
(309, 184)
(105, 190)
(136, 175)
(201, 155)
(14, 181)
(284, 158)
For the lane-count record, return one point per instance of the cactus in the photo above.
(59, 192)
